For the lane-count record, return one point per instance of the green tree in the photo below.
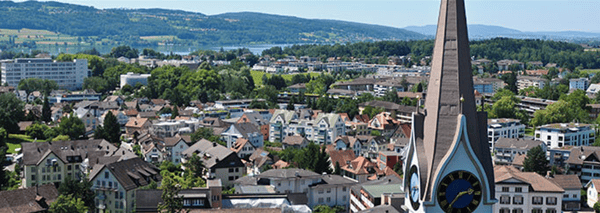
(536, 161)
(125, 51)
(11, 112)
(195, 165)
(111, 129)
(597, 207)
(290, 105)
(67, 203)
(37, 130)
(71, 126)
(398, 168)
(337, 169)
(204, 133)
(36, 84)
(322, 163)
(46, 111)
(80, 190)
(61, 138)
(172, 203)
(174, 112)
(96, 83)
(559, 112)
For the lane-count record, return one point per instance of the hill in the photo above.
(477, 31)
(126, 26)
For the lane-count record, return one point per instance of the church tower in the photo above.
(448, 167)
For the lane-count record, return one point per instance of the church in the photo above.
(448, 166)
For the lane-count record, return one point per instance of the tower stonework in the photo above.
(448, 166)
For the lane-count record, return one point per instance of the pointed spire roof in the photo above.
(450, 94)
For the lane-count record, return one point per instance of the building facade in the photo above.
(134, 78)
(523, 192)
(566, 134)
(504, 128)
(68, 75)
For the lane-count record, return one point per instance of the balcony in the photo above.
(104, 188)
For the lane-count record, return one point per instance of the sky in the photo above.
(523, 15)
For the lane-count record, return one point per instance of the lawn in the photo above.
(529, 132)
(257, 76)
(588, 71)
(14, 141)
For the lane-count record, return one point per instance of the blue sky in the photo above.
(524, 15)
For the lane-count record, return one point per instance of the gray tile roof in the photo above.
(131, 173)
(32, 199)
(287, 173)
(214, 152)
(33, 153)
(517, 143)
(567, 181)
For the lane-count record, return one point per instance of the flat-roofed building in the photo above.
(566, 134)
(504, 128)
(67, 74)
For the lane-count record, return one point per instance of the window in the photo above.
(231, 178)
(328, 199)
(106, 174)
(537, 211)
(518, 189)
(550, 210)
(504, 199)
(230, 170)
(237, 169)
(187, 202)
(33, 169)
(565, 196)
(549, 137)
(58, 177)
(329, 190)
(505, 189)
(537, 201)
(504, 210)
(321, 200)
(344, 198)
(551, 201)
(344, 189)
(518, 200)
(517, 211)
(321, 191)
(197, 202)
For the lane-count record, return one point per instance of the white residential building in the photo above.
(524, 192)
(247, 131)
(171, 128)
(593, 190)
(530, 81)
(579, 83)
(323, 129)
(504, 128)
(566, 134)
(507, 149)
(68, 75)
(134, 78)
(333, 190)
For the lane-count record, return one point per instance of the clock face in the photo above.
(414, 191)
(459, 191)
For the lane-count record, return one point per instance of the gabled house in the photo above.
(257, 119)
(31, 199)
(243, 148)
(348, 143)
(258, 159)
(115, 184)
(583, 161)
(340, 157)
(243, 130)
(220, 162)
(362, 169)
(89, 119)
(384, 123)
(174, 147)
(122, 119)
(571, 199)
(322, 129)
(295, 141)
(138, 125)
(593, 192)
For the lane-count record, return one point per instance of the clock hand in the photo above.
(460, 194)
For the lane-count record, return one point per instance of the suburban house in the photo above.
(362, 170)
(221, 162)
(31, 199)
(243, 148)
(294, 141)
(593, 192)
(283, 180)
(173, 147)
(137, 126)
(115, 184)
(384, 123)
(257, 119)
(332, 190)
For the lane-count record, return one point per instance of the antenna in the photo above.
(462, 100)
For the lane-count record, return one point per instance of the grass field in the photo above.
(588, 71)
(14, 141)
(529, 132)
(257, 76)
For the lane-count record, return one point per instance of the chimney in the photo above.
(214, 144)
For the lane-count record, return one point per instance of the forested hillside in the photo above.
(187, 27)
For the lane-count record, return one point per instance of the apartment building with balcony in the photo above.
(67, 74)
(566, 134)
(321, 129)
(504, 128)
(521, 192)
(508, 148)
(583, 162)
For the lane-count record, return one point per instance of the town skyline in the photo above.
(541, 16)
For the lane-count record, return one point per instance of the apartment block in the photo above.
(67, 74)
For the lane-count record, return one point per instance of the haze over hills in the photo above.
(478, 31)
(128, 25)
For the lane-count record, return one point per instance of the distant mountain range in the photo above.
(477, 31)
(128, 25)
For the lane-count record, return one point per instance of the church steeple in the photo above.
(450, 95)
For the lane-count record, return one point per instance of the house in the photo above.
(340, 158)
(593, 192)
(525, 191)
(583, 161)
(332, 190)
(507, 148)
(530, 81)
(507, 64)
(280, 164)
(221, 162)
(322, 129)
(170, 128)
(504, 128)
(384, 123)
(122, 119)
(174, 146)
(566, 134)
(283, 180)
(243, 130)
(297, 88)
(361, 169)
(31, 199)
(376, 195)
(200, 198)
(52, 162)
(243, 148)
(257, 119)
(89, 119)
(258, 159)
(115, 184)
(388, 159)
(152, 153)
(593, 89)
(137, 126)
(295, 141)
(571, 199)
(579, 83)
